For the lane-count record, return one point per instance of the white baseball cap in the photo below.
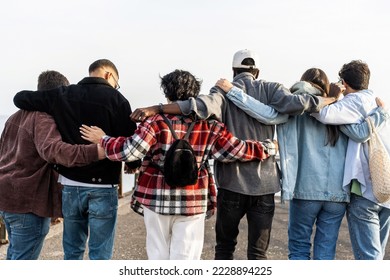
(241, 55)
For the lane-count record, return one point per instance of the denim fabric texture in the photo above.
(232, 207)
(369, 225)
(26, 234)
(303, 215)
(89, 210)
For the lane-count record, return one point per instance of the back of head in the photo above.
(103, 63)
(245, 61)
(356, 74)
(51, 79)
(317, 78)
(180, 85)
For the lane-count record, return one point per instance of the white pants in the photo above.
(173, 237)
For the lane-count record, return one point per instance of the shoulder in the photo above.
(42, 116)
(30, 116)
(356, 97)
(303, 87)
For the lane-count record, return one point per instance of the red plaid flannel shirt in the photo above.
(152, 140)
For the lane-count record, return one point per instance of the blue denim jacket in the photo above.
(310, 169)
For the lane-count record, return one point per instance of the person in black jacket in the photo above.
(90, 195)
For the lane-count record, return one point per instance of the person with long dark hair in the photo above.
(312, 157)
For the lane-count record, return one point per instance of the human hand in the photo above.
(91, 133)
(272, 147)
(336, 89)
(141, 114)
(224, 84)
(380, 102)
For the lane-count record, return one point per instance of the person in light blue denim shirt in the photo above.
(368, 220)
(312, 163)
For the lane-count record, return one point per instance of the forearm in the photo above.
(204, 106)
(51, 148)
(360, 132)
(228, 148)
(36, 100)
(172, 108)
(121, 149)
(70, 155)
(256, 109)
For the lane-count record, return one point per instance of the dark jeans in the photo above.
(231, 207)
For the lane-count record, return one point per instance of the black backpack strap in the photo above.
(187, 136)
(168, 122)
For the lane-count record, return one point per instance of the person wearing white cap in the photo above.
(244, 188)
(309, 152)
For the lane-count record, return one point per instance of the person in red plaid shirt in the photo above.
(174, 217)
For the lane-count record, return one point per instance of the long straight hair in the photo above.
(317, 78)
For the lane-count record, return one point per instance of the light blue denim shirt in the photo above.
(310, 169)
(354, 108)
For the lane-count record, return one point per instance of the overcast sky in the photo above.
(146, 39)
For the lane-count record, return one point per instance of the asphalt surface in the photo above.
(130, 238)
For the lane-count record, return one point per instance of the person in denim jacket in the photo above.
(244, 190)
(368, 220)
(312, 164)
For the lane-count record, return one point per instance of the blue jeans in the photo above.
(369, 225)
(303, 215)
(259, 211)
(26, 233)
(89, 210)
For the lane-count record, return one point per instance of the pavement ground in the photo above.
(130, 238)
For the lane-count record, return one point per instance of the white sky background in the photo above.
(146, 39)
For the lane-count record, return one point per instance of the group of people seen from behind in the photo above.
(61, 155)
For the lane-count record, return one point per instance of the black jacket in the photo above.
(92, 102)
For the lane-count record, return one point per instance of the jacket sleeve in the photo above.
(51, 148)
(205, 106)
(283, 101)
(43, 101)
(360, 132)
(228, 148)
(126, 128)
(344, 111)
(132, 148)
(256, 109)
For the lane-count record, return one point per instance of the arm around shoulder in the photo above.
(360, 132)
(51, 148)
(36, 100)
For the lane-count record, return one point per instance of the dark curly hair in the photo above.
(356, 74)
(180, 85)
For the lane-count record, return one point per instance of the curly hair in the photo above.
(356, 74)
(180, 85)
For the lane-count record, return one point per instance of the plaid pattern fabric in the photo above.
(152, 140)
